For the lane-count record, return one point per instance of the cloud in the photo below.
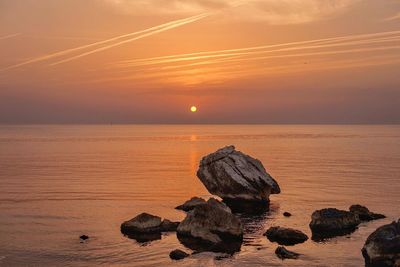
(276, 12)
(395, 17)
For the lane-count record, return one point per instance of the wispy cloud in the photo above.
(395, 17)
(272, 11)
(9, 36)
(138, 35)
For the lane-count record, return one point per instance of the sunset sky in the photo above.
(149, 61)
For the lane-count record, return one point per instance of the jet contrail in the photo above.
(9, 36)
(67, 51)
(172, 26)
(200, 54)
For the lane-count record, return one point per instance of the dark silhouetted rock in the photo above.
(332, 222)
(364, 214)
(235, 176)
(146, 227)
(191, 204)
(84, 237)
(178, 254)
(283, 253)
(168, 226)
(382, 248)
(285, 236)
(287, 214)
(209, 227)
(218, 204)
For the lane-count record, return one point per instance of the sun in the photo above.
(193, 109)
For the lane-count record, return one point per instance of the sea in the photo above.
(58, 182)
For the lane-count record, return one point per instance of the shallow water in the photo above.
(58, 182)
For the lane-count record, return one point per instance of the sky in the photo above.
(245, 61)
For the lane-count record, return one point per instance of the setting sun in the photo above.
(193, 109)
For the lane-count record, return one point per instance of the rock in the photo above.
(146, 227)
(287, 214)
(168, 226)
(233, 175)
(285, 236)
(84, 237)
(191, 204)
(364, 214)
(178, 254)
(209, 227)
(218, 204)
(283, 253)
(332, 222)
(382, 247)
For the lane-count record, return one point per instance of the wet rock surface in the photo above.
(178, 254)
(210, 227)
(364, 214)
(285, 236)
(235, 176)
(191, 204)
(382, 247)
(283, 253)
(330, 222)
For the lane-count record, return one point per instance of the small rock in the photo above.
(285, 236)
(84, 237)
(332, 222)
(178, 254)
(283, 253)
(218, 204)
(168, 226)
(364, 214)
(191, 204)
(143, 223)
(287, 214)
(382, 248)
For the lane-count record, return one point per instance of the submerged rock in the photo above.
(178, 254)
(235, 176)
(84, 237)
(332, 222)
(364, 214)
(146, 227)
(283, 253)
(191, 204)
(382, 248)
(209, 227)
(285, 236)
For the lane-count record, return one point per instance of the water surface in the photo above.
(58, 182)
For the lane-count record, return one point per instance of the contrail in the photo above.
(9, 36)
(67, 51)
(172, 26)
(230, 52)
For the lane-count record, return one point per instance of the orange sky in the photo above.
(149, 61)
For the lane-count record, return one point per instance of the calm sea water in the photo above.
(58, 182)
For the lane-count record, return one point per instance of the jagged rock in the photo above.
(285, 236)
(364, 214)
(215, 202)
(178, 254)
(283, 253)
(332, 222)
(382, 248)
(287, 214)
(209, 227)
(146, 227)
(191, 204)
(233, 175)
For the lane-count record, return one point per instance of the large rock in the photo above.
(210, 227)
(146, 227)
(364, 214)
(233, 175)
(382, 247)
(285, 236)
(332, 222)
